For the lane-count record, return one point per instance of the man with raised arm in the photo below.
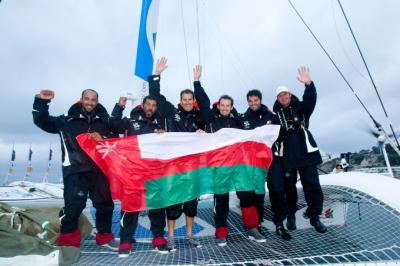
(81, 176)
(299, 150)
(223, 115)
(185, 118)
(143, 119)
(255, 116)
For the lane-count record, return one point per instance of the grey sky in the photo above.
(72, 45)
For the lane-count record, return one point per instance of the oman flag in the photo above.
(158, 170)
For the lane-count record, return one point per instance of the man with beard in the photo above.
(81, 176)
(142, 120)
(259, 115)
(185, 118)
(223, 115)
(299, 150)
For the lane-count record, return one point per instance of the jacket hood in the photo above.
(195, 110)
(138, 111)
(294, 103)
(216, 113)
(76, 109)
(195, 106)
(263, 109)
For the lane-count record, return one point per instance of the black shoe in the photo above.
(281, 231)
(319, 226)
(262, 230)
(291, 222)
(162, 249)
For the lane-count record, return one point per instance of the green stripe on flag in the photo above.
(170, 190)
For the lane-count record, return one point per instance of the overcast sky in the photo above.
(73, 45)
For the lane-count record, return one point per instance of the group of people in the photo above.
(294, 152)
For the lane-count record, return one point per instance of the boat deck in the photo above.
(361, 229)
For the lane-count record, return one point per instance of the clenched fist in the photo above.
(96, 136)
(122, 101)
(46, 94)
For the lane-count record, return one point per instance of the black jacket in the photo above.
(214, 121)
(178, 120)
(68, 126)
(136, 124)
(297, 145)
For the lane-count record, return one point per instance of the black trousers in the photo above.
(276, 189)
(157, 222)
(221, 205)
(77, 187)
(259, 203)
(189, 208)
(312, 190)
(221, 208)
(129, 222)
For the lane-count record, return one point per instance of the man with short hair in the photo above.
(81, 176)
(255, 116)
(223, 115)
(185, 118)
(299, 151)
(143, 119)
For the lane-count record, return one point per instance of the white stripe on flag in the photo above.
(176, 144)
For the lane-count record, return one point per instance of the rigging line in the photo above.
(184, 37)
(240, 75)
(221, 55)
(369, 73)
(220, 34)
(198, 32)
(333, 63)
(343, 46)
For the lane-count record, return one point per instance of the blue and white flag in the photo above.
(147, 39)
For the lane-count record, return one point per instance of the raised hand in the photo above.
(122, 101)
(197, 73)
(161, 65)
(304, 75)
(46, 94)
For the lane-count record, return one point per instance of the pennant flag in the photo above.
(13, 155)
(147, 39)
(29, 168)
(158, 170)
(50, 154)
(30, 154)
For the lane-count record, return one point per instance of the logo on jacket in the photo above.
(177, 117)
(246, 124)
(136, 126)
